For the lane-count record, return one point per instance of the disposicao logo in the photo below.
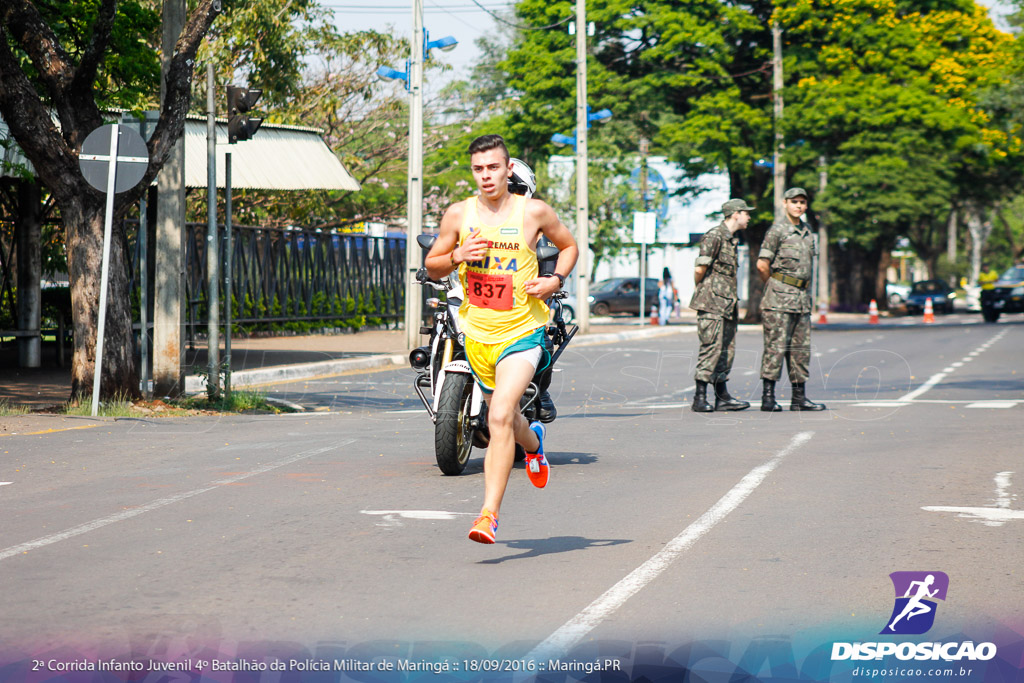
(913, 614)
(916, 595)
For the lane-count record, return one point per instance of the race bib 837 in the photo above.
(490, 291)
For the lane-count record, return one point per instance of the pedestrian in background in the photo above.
(987, 277)
(666, 300)
(715, 299)
(784, 264)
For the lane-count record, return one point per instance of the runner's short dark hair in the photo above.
(485, 143)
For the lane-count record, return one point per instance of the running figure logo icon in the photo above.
(916, 595)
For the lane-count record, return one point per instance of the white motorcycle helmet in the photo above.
(522, 181)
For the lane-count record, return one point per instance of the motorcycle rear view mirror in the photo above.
(547, 253)
(426, 241)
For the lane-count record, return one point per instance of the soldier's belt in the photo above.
(789, 280)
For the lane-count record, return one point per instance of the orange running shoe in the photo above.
(484, 527)
(536, 464)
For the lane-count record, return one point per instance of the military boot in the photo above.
(546, 411)
(768, 403)
(723, 401)
(700, 399)
(800, 402)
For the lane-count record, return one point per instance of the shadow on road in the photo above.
(535, 547)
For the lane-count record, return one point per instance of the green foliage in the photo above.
(129, 74)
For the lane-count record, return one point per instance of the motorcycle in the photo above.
(444, 380)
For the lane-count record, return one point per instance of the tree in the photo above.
(54, 68)
(893, 95)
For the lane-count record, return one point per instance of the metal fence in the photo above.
(285, 278)
(282, 279)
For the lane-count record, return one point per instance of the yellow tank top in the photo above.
(495, 307)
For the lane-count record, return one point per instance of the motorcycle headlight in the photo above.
(433, 302)
(590, 299)
(952, 295)
(461, 339)
(1017, 291)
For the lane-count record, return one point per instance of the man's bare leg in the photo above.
(507, 426)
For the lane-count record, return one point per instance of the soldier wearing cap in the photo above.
(785, 264)
(715, 300)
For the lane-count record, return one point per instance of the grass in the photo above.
(122, 406)
(119, 406)
(8, 409)
(239, 402)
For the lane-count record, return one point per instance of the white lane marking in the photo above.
(992, 404)
(1003, 497)
(878, 404)
(935, 379)
(832, 350)
(390, 517)
(162, 502)
(993, 515)
(5, 483)
(932, 381)
(559, 642)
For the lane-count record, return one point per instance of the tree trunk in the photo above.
(28, 230)
(881, 277)
(83, 216)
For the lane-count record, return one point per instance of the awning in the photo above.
(277, 157)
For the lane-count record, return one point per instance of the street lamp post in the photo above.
(413, 77)
(578, 142)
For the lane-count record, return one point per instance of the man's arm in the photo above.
(769, 246)
(568, 252)
(446, 254)
(710, 245)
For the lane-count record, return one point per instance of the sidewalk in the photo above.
(264, 360)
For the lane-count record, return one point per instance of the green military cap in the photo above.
(795, 192)
(734, 205)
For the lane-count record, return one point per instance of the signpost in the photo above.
(645, 224)
(120, 169)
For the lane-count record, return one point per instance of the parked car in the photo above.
(622, 295)
(941, 294)
(896, 294)
(1007, 296)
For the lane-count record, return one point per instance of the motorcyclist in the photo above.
(523, 181)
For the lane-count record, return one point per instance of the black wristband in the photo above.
(561, 279)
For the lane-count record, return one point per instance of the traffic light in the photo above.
(240, 101)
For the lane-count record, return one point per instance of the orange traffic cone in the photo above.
(654, 314)
(929, 312)
(873, 313)
(822, 310)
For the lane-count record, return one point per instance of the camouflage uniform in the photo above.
(786, 305)
(715, 299)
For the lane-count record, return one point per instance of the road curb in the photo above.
(195, 384)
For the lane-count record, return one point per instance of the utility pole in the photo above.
(169, 242)
(582, 206)
(779, 164)
(823, 281)
(413, 291)
(951, 227)
(644, 148)
(212, 243)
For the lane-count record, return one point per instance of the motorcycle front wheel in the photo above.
(453, 430)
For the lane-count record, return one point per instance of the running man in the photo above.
(914, 606)
(491, 240)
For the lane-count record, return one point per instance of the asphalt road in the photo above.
(665, 541)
